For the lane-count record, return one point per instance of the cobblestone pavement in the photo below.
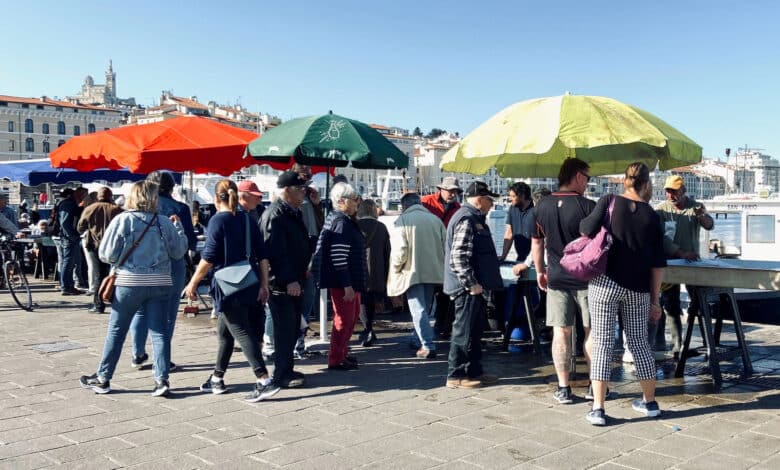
(394, 412)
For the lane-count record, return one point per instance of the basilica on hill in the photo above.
(102, 95)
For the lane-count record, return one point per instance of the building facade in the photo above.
(33, 127)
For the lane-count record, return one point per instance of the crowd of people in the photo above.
(438, 254)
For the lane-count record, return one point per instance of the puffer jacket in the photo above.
(340, 259)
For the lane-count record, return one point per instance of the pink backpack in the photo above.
(586, 258)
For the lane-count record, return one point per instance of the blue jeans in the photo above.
(140, 326)
(420, 298)
(68, 251)
(127, 301)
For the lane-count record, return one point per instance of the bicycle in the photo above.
(13, 275)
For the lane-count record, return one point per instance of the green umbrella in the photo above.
(532, 138)
(328, 140)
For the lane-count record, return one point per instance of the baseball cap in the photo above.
(249, 186)
(289, 178)
(674, 182)
(450, 183)
(478, 188)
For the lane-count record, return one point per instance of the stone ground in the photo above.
(392, 413)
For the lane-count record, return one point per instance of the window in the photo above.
(45, 127)
(94, 112)
(760, 229)
(25, 105)
(38, 106)
(28, 125)
(60, 143)
(46, 146)
(11, 145)
(61, 128)
(10, 126)
(76, 130)
(90, 128)
(75, 110)
(29, 145)
(58, 108)
(3, 103)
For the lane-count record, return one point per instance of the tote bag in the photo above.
(585, 258)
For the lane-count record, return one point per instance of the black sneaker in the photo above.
(352, 359)
(173, 367)
(161, 389)
(93, 309)
(261, 392)
(93, 383)
(294, 380)
(367, 338)
(217, 388)
(71, 291)
(563, 395)
(139, 362)
(596, 417)
(589, 393)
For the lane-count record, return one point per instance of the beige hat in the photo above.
(450, 183)
(674, 182)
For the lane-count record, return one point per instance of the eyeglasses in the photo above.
(587, 176)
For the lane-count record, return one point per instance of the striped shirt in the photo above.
(339, 254)
(128, 279)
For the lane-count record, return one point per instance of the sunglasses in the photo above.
(587, 176)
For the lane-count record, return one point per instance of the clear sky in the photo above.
(709, 68)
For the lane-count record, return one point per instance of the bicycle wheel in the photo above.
(17, 284)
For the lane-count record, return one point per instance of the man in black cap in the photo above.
(471, 272)
(287, 242)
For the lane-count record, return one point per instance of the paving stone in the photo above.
(618, 440)
(108, 430)
(406, 461)
(217, 454)
(771, 427)
(218, 436)
(25, 462)
(39, 444)
(158, 450)
(97, 462)
(716, 461)
(454, 448)
(751, 445)
(87, 450)
(679, 446)
(296, 452)
(161, 434)
(715, 430)
(578, 456)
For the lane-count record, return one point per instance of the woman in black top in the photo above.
(630, 287)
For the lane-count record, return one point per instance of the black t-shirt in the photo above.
(637, 245)
(558, 219)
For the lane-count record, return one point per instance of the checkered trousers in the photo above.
(607, 300)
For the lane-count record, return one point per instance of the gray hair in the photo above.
(142, 196)
(410, 199)
(341, 191)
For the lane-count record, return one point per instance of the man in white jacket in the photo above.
(416, 265)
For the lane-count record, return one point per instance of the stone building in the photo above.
(102, 95)
(33, 127)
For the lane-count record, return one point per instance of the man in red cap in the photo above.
(250, 199)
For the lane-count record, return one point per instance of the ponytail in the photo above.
(227, 192)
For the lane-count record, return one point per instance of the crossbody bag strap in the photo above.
(136, 243)
(247, 243)
(610, 208)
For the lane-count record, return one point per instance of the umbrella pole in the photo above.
(324, 292)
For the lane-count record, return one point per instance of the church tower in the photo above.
(110, 83)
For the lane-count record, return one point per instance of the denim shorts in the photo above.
(563, 305)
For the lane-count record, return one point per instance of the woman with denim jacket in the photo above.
(143, 280)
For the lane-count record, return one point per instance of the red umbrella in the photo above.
(185, 143)
(181, 144)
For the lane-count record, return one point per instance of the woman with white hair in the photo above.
(340, 265)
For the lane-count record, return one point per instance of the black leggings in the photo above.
(237, 323)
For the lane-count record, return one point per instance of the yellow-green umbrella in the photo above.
(532, 138)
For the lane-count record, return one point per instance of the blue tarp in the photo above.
(35, 172)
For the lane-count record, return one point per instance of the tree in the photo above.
(417, 132)
(435, 132)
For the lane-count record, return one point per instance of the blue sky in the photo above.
(707, 67)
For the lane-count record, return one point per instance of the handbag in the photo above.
(237, 276)
(106, 290)
(585, 258)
